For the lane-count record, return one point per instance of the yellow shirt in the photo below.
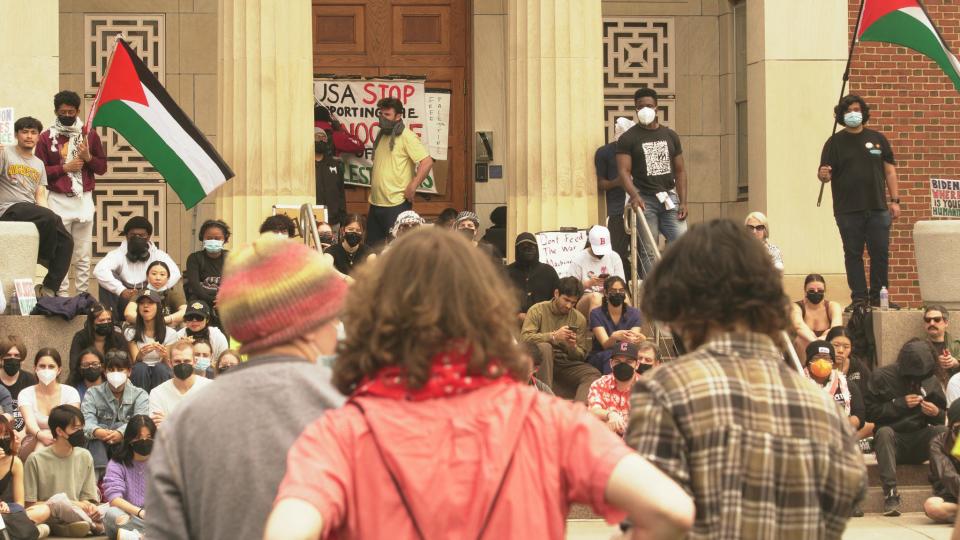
(392, 171)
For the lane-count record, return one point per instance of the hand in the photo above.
(522, 316)
(83, 151)
(45, 437)
(947, 361)
(637, 202)
(621, 335)
(825, 174)
(616, 423)
(157, 417)
(127, 294)
(562, 334)
(162, 350)
(88, 508)
(929, 409)
(682, 211)
(596, 281)
(894, 210)
(73, 166)
(913, 400)
(410, 192)
(115, 437)
(4, 509)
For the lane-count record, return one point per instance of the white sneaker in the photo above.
(44, 530)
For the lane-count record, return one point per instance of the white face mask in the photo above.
(116, 378)
(646, 115)
(47, 375)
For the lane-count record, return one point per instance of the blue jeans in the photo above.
(661, 221)
(110, 522)
(870, 227)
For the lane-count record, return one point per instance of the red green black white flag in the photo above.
(133, 102)
(906, 23)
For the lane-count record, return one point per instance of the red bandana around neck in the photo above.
(448, 377)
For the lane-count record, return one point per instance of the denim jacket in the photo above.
(101, 409)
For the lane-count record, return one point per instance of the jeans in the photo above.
(110, 522)
(380, 220)
(906, 448)
(870, 227)
(82, 247)
(56, 244)
(661, 221)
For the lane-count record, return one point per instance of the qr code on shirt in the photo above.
(657, 154)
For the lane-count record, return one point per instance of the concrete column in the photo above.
(265, 109)
(554, 113)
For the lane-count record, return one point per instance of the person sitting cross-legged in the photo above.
(125, 483)
(614, 321)
(62, 476)
(107, 408)
(609, 397)
(168, 395)
(945, 471)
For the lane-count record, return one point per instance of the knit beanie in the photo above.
(275, 290)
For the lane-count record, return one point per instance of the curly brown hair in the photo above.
(715, 277)
(431, 290)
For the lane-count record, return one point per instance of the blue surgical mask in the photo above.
(213, 246)
(853, 119)
(201, 364)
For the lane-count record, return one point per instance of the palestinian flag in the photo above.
(132, 101)
(905, 22)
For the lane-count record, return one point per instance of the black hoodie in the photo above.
(888, 386)
(535, 281)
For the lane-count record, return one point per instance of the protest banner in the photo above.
(559, 248)
(6, 127)
(354, 103)
(944, 198)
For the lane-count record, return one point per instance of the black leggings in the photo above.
(56, 244)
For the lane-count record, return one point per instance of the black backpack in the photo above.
(860, 327)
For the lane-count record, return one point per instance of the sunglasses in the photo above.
(932, 319)
(194, 318)
(760, 228)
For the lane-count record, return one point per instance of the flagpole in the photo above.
(843, 86)
(96, 101)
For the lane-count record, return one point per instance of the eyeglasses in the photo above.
(760, 228)
(194, 318)
(933, 319)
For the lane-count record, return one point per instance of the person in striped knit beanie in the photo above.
(281, 300)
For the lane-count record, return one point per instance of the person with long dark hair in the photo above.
(173, 302)
(125, 482)
(11, 483)
(148, 340)
(90, 372)
(98, 332)
(351, 250)
(612, 323)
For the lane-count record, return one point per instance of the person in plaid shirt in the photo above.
(764, 453)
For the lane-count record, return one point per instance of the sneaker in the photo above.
(77, 529)
(891, 503)
(43, 530)
(866, 445)
(857, 511)
(42, 291)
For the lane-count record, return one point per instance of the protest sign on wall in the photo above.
(438, 131)
(559, 248)
(944, 198)
(6, 127)
(354, 103)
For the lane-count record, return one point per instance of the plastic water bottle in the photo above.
(884, 298)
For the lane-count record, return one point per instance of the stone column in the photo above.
(265, 115)
(554, 113)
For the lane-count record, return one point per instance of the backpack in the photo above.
(860, 327)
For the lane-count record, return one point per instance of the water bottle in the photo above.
(884, 299)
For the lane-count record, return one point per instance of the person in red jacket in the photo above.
(72, 158)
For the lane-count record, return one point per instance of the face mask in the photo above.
(77, 439)
(353, 238)
(616, 299)
(467, 233)
(321, 147)
(116, 378)
(853, 119)
(643, 368)
(387, 125)
(821, 368)
(11, 366)
(90, 374)
(326, 238)
(326, 360)
(202, 364)
(623, 372)
(103, 329)
(142, 446)
(67, 120)
(815, 297)
(527, 255)
(5, 445)
(224, 369)
(46, 376)
(183, 371)
(213, 246)
(137, 245)
(646, 115)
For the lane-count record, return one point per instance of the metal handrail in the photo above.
(663, 342)
(308, 227)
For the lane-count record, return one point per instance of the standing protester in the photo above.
(608, 181)
(280, 299)
(534, 280)
(441, 437)
(496, 234)
(329, 180)
(400, 165)
(72, 158)
(653, 173)
(201, 279)
(23, 197)
(764, 452)
(859, 164)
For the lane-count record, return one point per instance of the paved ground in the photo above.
(905, 527)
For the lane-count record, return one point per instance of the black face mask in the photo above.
(67, 120)
(643, 368)
(321, 147)
(6, 444)
(182, 371)
(138, 249)
(326, 238)
(353, 238)
(77, 439)
(469, 234)
(815, 297)
(11, 366)
(616, 299)
(90, 374)
(527, 255)
(103, 329)
(623, 372)
(142, 446)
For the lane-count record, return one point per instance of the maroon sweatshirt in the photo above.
(57, 180)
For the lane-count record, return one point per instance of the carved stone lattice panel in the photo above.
(638, 52)
(613, 108)
(118, 202)
(145, 33)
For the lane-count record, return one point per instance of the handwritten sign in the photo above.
(559, 248)
(6, 127)
(354, 103)
(438, 128)
(944, 198)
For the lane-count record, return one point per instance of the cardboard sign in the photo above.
(6, 127)
(559, 248)
(26, 295)
(354, 103)
(944, 198)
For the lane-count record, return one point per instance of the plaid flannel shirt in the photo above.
(763, 451)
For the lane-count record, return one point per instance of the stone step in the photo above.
(907, 475)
